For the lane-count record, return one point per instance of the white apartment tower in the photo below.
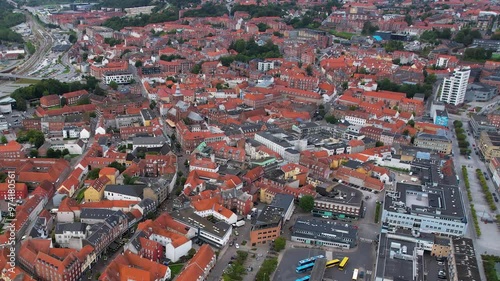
(453, 88)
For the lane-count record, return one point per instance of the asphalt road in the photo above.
(286, 268)
(489, 232)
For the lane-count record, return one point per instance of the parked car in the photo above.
(237, 246)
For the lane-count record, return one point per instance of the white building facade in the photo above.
(453, 89)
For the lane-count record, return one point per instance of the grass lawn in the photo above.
(175, 268)
(341, 34)
(55, 107)
(80, 195)
(26, 81)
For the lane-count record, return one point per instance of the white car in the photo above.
(237, 246)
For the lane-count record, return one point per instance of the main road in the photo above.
(489, 231)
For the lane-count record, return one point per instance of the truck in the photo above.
(239, 223)
(413, 179)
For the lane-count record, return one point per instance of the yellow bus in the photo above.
(332, 263)
(343, 263)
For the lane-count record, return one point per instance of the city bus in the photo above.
(310, 260)
(355, 275)
(305, 267)
(332, 263)
(343, 263)
(305, 278)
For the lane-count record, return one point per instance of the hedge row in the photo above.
(476, 222)
(488, 196)
(469, 195)
(378, 206)
(466, 183)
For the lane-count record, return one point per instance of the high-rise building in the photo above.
(453, 88)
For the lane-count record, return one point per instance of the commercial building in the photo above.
(441, 118)
(439, 143)
(489, 144)
(480, 92)
(267, 226)
(407, 256)
(275, 144)
(216, 234)
(119, 78)
(324, 233)
(286, 202)
(453, 89)
(479, 123)
(423, 208)
(341, 202)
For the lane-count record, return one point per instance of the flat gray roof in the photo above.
(323, 229)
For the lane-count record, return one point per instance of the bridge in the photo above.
(16, 76)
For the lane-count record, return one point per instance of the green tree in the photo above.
(34, 137)
(196, 68)
(51, 153)
(309, 70)
(152, 105)
(128, 179)
(279, 244)
(408, 19)
(467, 36)
(306, 203)
(64, 101)
(113, 85)
(3, 176)
(118, 166)
(411, 123)
(191, 253)
(83, 100)
(331, 119)
(379, 144)
(138, 63)
(4, 140)
(369, 28)
(34, 153)
(262, 27)
(93, 174)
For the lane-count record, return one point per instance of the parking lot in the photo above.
(362, 257)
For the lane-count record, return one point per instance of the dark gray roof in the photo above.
(270, 215)
(324, 229)
(70, 227)
(465, 256)
(283, 201)
(96, 214)
(351, 164)
(149, 140)
(100, 232)
(148, 114)
(340, 194)
(130, 190)
(189, 218)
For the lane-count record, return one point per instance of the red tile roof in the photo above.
(194, 270)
